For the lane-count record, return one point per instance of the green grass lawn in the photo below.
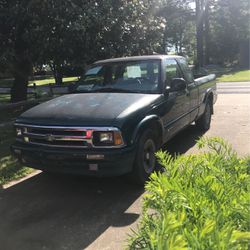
(51, 80)
(4, 98)
(237, 76)
(10, 169)
(47, 80)
(9, 115)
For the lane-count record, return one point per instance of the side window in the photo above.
(172, 70)
(186, 70)
(93, 76)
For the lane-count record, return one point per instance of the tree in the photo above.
(63, 35)
(179, 34)
(75, 32)
(229, 25)
(60, 33)
(17, 25)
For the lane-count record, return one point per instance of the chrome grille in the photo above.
(54, 131)
(57, 136)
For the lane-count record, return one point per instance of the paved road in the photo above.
(58, 212)
(233, 88)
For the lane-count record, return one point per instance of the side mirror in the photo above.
(178, 84)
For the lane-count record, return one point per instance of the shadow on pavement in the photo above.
(65, 212)
(183, 141)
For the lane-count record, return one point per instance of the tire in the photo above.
(203, 123)
(145, 160)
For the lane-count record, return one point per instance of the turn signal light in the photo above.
(117, 138)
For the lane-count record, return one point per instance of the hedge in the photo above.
(200, 201)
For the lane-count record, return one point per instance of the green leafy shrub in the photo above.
(200, 202)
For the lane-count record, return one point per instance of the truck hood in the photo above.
(87, 109)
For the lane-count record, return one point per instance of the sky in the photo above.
(192, 5)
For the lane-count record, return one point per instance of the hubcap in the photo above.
(149, 156)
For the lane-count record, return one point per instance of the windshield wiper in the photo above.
(77, 91)
(104, 90)
(114, 90)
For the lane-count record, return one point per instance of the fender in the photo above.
(205, 93)
(209, 92)
(144, 122)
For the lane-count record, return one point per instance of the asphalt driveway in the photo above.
(62, 212)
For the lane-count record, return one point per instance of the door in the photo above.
(177, 102)
(192, 88)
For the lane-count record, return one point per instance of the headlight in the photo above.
(107, 138)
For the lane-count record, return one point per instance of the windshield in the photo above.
(131, 76)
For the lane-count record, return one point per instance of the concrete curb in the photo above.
(14, 182)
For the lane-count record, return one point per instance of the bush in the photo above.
(200, 201)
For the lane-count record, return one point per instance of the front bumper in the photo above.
(115, 162)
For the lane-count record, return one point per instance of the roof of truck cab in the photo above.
(136, 58)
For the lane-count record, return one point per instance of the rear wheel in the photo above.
(204, 121)
(145, 160)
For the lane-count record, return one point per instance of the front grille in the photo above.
(56, 132)
(58, 143)
(55, 136)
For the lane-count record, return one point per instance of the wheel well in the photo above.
(156, 127)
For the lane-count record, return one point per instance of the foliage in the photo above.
(75, 33)
(200, 201)
(4, 98)
(237, 76)
(229, 26)
(179, 31)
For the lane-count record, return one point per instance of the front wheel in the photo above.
(204, 121)
(145, 160)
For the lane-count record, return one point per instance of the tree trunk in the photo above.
(164, 42)
(57, 73)
(58, 77)
(244, 61)
(181, 40)
(19, 88)
(22, 69)
(207, 32)
(199, 32)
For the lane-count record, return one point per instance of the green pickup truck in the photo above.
(119, 114)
